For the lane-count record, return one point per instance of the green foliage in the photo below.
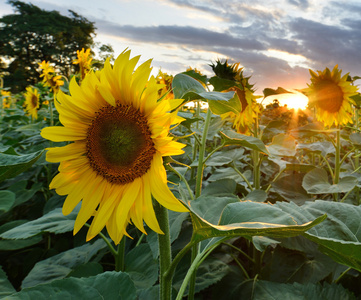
(108, 285)
(271, 220)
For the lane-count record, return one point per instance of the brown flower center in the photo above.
(328, 96)
(34, 101)
(119, 144)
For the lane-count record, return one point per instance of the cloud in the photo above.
(299, 3)
(183, 35)
(327, 45)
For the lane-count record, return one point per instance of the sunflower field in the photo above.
(115, 184)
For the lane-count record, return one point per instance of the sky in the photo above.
(275, 41)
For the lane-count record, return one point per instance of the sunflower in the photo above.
(49, 77)
(330, 94)
(84, 61)
(32, 102)
(245, 118)
(166, 81)
(6, 95)
(119, 133)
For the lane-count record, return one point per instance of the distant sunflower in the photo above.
(245, 118)
(84, 60)
(6, 95)
(330, 94)
(49, 77)
(166, 81)
(119, 131)
(32, 102)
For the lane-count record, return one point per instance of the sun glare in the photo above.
(295, 100)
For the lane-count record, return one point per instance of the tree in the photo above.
(32, 35)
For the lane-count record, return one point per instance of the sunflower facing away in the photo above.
(250, 108)
(330, 94)
(32, 102)
(119, 133)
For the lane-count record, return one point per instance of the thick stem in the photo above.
(256, 161)
(202, 149)
(337, 158)
(357, 158)
(165, 255)
(119, 258)
(337, 162)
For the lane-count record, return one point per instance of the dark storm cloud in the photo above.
(328, 45)
(183, 35)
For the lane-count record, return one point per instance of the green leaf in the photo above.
(183, 84)
(209, 272)
(86, 270)
(230, 174)
(323, 148)
(269, 92)
(6, 287)
(338, 236)
(245, 219)
(290, 188)
(107, 286)
(61, 265)
(53, 221)
(221, 84)
(282, 145)
(141, 266)
(12, 165)
(197, 76)
(22, 193)
(7, 199)
(289, 266)
(257, 196)
(234, 138)
(267, 290)
(221, 103)
(355, 139)
(316, 182)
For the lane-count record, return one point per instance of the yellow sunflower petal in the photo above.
(90, 202)
(67, 152)
(158, 182)
(62, 134)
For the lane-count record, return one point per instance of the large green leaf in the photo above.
(7, 199)
(183, 84)
(267, 290)
(106, 286)
(12, 165)
(186, 87)
(6, 287)
(234, 138)
(61, 265)
(245, 219)
(339, 236)
(282, 145)
(323, 147)
(290, 188)
(141, 266)
(53, 221)
(316, 182)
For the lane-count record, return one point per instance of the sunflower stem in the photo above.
(201, 154)
(119, 258)
(165, 255)
(337, 162)
(256, 161)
